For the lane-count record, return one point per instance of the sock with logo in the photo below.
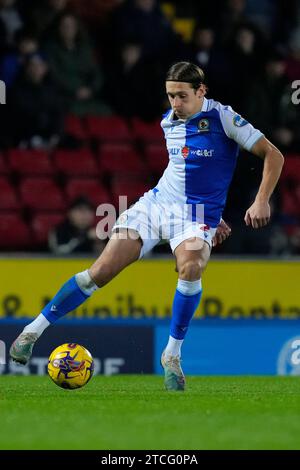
(186, 300)
(72, 294)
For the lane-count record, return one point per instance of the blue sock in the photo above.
(186, 300)
(69, 297)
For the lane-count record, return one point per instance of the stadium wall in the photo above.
(247, 322)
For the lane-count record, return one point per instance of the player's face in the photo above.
(185, 100)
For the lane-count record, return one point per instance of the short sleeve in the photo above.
(238, 129)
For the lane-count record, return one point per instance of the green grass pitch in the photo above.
(134, 412)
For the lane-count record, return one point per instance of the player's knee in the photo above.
(190, 270)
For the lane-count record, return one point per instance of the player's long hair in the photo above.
(186, 72)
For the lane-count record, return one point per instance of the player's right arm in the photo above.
(258, 213)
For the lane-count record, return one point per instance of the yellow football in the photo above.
(70, 366)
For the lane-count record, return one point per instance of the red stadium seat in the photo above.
(76, 162)
(147, 131)
(110, 128)
(290, 186)
(115, 158)
(42, 223)
(131, 188)
(88, 187)
(41, 194)
(156, 157)
(8, 195)
(74, 127)
(291, 203)
(14, 233)
(3, 166)
(291, 167)
(30, 162)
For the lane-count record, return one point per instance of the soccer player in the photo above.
(185, 208)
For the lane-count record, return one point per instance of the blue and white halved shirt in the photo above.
(203, 152)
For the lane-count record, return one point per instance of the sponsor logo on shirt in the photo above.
(203, 152)
(203, 125)
(185, 151)
(174, 151)
(238, 121)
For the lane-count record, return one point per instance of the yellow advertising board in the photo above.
(231, 289)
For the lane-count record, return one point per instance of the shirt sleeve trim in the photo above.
(252, 140)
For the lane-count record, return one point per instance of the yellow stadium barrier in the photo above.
(232, 289)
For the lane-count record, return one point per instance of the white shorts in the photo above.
(155, 220)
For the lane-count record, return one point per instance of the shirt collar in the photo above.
(204, 105)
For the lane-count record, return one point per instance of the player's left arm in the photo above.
(259, 212)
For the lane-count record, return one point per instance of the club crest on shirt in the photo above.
(203, 125)
(238, 121)
(185, 151)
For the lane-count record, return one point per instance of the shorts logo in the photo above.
(185, 151)
(203, 125)
(238, 121)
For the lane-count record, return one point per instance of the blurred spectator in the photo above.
(203, 43)
(262, 13)
(290, 188)
(232, 16)
(74, 69)
(77, 233)
(288, 17)
(215, 62)
(246, 61)
(94, 12)
(42, 17)
(293, 59)
(26, 44)
(269, 240)
(265, 93)
(2, 37)
(144, 21)
(36, 111)
(269, 106)
(294, 241)
(11, 20)
(129, 77)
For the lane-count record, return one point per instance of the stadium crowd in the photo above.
(85, 93)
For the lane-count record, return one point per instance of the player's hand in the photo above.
(258, 215)
(223, 232)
